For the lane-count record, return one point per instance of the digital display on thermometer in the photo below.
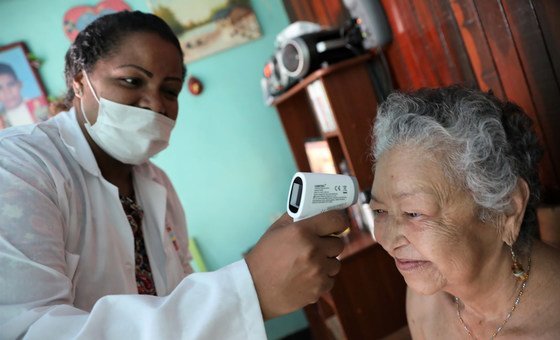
(295, 195)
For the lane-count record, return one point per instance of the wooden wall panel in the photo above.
(406, 54)
(337, 12)
(323, 14)
(429, 35)
(539, 72)
(397, 50)
(328, 13)
(548, 14)
(433, 33)
(504, 53)
(510, 69)
(427, 48)
(511, 47)
(299, 10)
(451, 39)
(476, 45)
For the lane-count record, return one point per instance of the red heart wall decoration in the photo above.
(77, 18)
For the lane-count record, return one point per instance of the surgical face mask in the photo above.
(127, 133)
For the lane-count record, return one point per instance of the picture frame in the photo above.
(208, 27)
(23, 99)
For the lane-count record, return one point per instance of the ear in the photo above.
(78, 84)
(516, 212)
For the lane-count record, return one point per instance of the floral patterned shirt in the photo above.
(144, 279)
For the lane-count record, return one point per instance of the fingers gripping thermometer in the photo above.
(314, 193)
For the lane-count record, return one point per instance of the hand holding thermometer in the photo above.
(314, 193)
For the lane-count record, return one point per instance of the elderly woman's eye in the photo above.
(413, 214)
(377, 212)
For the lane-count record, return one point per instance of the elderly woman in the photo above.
(454, 198)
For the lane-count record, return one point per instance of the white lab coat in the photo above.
(67, 255)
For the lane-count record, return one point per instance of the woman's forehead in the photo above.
(409, 160)
(406, 172)
(148, 50)
(144, 42)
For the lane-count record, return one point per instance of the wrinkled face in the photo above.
(10, 96)
(429, 225)
(145, 71)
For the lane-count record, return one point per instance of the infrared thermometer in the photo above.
(314, 193)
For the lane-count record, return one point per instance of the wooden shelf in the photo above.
(322, 72)
(368, 299)
(352, 99)
(331, 134)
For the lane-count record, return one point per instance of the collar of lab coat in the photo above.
(76, 142)
(152, 193)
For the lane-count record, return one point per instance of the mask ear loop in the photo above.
(82, 101)
(90, 86)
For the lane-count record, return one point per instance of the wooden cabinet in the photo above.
(353, 102)
(511, 47)
(368, 299)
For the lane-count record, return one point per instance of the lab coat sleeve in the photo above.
(215, 305)
(36, 291)
(36, 301)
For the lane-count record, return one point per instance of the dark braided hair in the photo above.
(100, 38)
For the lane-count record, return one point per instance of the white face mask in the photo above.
(127, 133)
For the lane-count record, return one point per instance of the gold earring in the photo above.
(517, 268)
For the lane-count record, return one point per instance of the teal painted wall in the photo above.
(228, 158)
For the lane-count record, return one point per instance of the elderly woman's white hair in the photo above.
(484, 144)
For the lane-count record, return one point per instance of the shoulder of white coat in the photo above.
(35, 150)
(36, 174)
(16, 132)
(34, 134)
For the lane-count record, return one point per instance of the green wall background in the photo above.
(228, 158)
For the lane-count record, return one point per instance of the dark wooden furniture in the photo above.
(353, 103)
(368, 299)
(509, 46)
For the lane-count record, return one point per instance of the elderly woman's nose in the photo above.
(389, 233)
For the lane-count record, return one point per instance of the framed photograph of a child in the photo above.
(23, 99)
